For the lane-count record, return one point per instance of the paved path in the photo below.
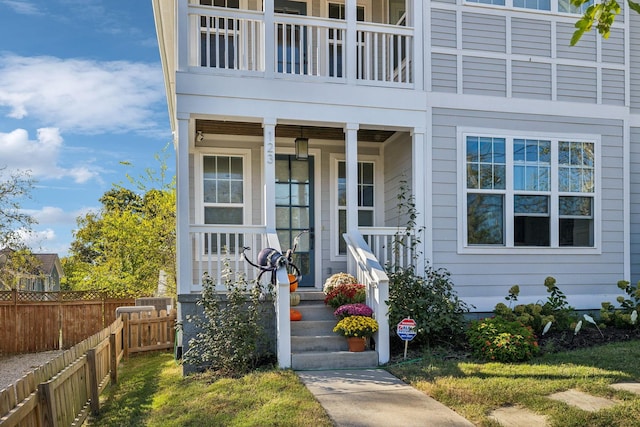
(375, 398)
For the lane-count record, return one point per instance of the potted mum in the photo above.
(356, 329)
(346, 293)
(357, 309)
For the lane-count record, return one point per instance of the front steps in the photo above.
(314, 345)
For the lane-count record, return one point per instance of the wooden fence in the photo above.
(41, 321)
(66, 390)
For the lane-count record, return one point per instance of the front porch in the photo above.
(252, 191)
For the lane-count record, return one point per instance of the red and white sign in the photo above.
(407, 329)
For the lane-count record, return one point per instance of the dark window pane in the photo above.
(576, 232)
(576, 206)
(472, 149)
(209, 190)
(220, 215)
(531, 231)
(531, 205)
(485, 219)
(342, 228)
(365, 218)
(367, 196)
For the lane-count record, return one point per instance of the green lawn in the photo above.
(152, 392)
(475, 389)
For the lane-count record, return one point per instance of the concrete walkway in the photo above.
(375, 398)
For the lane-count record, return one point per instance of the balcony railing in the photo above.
(311, 47)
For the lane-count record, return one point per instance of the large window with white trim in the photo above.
(563, 6)
(531, 192)
(366, 199)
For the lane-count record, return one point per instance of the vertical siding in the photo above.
(585, 50)
(613, 87)
(484, 32)
(530, 37)
(531, 80)
(444, 73)
(487, 275)
(577, 84)
(484, 76)
(635, 204)
(443, 28)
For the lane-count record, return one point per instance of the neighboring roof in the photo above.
(48, 262)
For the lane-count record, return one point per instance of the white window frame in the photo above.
(378, 197)
(508, 4)
(246, 178)
(509, 247)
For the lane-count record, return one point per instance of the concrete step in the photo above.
(333, 360)
(315, 311)
(318, 343)
(310, 294)
(312, 327)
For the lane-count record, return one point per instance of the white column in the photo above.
(419, 171)
(183, 35)
(351, 170)
(269, 39)
(183, 246)
(350, 46)
(269, 173)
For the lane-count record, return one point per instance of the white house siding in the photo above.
(635, 204)
(531, 80)
(484, 279)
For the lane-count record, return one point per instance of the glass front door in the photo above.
(294, 211)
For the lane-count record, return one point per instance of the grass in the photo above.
(475, 389)
(152, 392)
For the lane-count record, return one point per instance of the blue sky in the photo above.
(81, 91)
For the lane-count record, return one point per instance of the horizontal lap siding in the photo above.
(443, 28)
(531, 80)
(444, 73)
(613, 87)
(613, 47)
(491, 275)
(530, 37)
(634, 61)
(635, 204)
(577, 84)
(484, 76)
(483, 32)
(585, 50)
(397, 166)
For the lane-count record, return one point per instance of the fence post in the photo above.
(113, 353)
(14, 297)
(126, 334)
(48, 413)
(94, 392)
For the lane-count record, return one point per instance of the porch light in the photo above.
(302, 147)
(199, 136)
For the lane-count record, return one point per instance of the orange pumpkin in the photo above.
(293, 282)
(295, 315)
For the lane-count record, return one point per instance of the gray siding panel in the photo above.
(577, 84)
(444, 73)
(484, 32)
(531, 80)
(585, 50)
(613, 87)
(489, 275)
(443, 28)
(484, 76)
(531, 37)
(634, 62)
(635, 204)
(613, 47)
(397, 166)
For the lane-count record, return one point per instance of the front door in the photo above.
(294, 211)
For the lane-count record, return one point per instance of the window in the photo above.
(564, 6)
(533, 4)
(366, 205)
(529, 192)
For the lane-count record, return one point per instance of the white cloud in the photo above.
(80, 95)
(41, 156)
(55, 215)
(22, 7)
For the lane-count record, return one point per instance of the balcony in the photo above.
(279, 45)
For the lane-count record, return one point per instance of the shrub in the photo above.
(229, 331)
(346, 293)
(431, 301)
(337, 279)
(358, 309)
(623, 316)
(356, 326)
(500, 340)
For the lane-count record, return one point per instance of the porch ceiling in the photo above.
(218, 127)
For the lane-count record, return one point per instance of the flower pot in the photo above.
(293, 282)
(356, 344)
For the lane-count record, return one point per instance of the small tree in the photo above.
(13, 187)
(229, 331)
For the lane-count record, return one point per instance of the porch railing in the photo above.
(213, 246)
(390, 245)
(235, 39)
(368, 271)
